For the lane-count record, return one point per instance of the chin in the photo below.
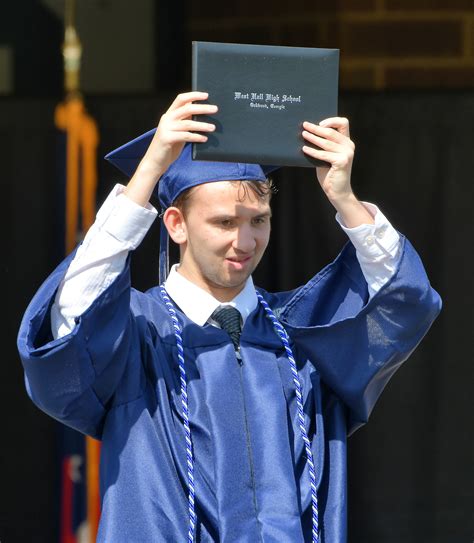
(233, 280)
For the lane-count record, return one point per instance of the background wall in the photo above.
(385, 44)
(410, 468)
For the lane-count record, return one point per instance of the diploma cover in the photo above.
(264, 93)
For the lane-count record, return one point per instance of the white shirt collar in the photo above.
(198, 305)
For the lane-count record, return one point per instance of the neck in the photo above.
(220, 293)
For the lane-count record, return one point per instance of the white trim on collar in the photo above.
(198, 305)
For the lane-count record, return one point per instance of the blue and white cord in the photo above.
(185, 412)
(281, 332)
(299, 402)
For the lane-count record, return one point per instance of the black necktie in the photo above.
(228, 318)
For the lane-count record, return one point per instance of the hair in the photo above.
(261, 189)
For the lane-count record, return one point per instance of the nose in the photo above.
(244, 240)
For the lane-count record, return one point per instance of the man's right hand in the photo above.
(175, 128)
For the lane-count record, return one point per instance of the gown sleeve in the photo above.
(356, 342)
(73, 378)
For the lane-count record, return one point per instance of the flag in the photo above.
(77, 163)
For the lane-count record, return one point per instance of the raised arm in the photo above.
(175, 128)
(78, 338)
(376, 242)
(121, 224)
(336, 148)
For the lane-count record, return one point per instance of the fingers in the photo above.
(177, 124)
(337, 130)
(187, 97)
(190, 137)
(334, 146)
(191, 126)
(323, 143)
(176, 136)
(332, 138)
(341, 124)
(325, 156)
(188, 110)
(340, 160)
(184, 108)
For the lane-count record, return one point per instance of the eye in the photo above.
(259, 220)
(226, 223)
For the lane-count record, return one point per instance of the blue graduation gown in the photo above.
(116, 378)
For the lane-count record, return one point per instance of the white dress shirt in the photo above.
(120, 226)
(199, 305)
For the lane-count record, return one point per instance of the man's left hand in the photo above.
(337, 149)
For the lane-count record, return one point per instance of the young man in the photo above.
(217, 424)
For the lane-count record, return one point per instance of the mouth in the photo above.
(239, 262)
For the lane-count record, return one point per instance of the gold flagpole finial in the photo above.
(72, 51)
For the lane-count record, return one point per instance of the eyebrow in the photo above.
(227, 217)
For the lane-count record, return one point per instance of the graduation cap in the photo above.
(184, 173)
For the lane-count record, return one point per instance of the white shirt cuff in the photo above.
(373, 241)
(125, 220)
(120, 226)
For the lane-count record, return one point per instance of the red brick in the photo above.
(431, 5)
(242, 8)
(357, 78)
(470, 50)
(454, 78)
(211, 10)
(400, 39)
(339, 5)
(299, 35)
(237, 34)
(251, 8)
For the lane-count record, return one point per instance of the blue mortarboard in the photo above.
(184, 173)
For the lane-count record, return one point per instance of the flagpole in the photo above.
(68, 117)
(72, 51)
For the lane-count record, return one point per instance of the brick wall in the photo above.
(385, 44)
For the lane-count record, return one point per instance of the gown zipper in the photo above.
(247, 435)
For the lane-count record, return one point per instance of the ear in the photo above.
(174, 221)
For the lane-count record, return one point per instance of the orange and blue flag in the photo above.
(77, 164)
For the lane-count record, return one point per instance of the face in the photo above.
(225, 233)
